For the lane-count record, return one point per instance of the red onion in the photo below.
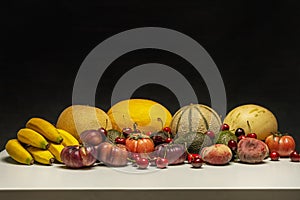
(78, 156)
(174, 153)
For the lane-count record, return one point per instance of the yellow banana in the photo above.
(68, 139)
(45, 128)
(33, 138)
(41, 156)
(56, 149)
(18, 152)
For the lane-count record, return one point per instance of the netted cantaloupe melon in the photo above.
(195, 118)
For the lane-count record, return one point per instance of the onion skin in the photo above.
(114, 155)
(174, 153)
(92, 137)
(78, 156)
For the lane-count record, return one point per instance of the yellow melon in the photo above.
(260, 120)
(147, 114)
(77, 118)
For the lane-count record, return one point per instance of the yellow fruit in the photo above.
(56, 149)
(260, 120)
(45, 128)
(147, 114)
(195, 118)
(41, 156)
(78, 118)
(68, 139)
(18, 152)
(33, 138)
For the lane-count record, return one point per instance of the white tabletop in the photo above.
(268, 175)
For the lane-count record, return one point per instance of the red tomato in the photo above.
(284, 145)
(139, 143)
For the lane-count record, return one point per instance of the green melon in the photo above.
(195, 118)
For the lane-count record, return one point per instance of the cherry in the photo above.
(225, 127)
(103, 131)
(126, 131)
(239, 132)
(142, 163)
(167, 129)
(197, 162)
(168, 140)
(192, 156)
(119, 140)
(241, 137)
(295, 157)
(135, 157)
(252, 135)
(161, 163)
(232, 145)
(210, 134)
(274, 155)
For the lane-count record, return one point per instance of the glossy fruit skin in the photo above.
(174, 153)
(252, 135)
(238, 132)
(197, 162)
(142, 163)
(161, 163)
(168, 140)
(78, 156)
(102, 131)
(210, 134)
(225, 127)
(241, 137)
(126, 131)
(140, 144)
(112, 154)
(284, 145)
(274, 155)
(295, 157)
(232, 145)
(192, 156)
(92, 137)
(119, 140)
(167, 129)
(251, 150)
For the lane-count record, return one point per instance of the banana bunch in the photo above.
(39, 141)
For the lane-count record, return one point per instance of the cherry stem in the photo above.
(106, 122)
(162, 123)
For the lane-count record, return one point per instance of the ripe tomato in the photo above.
(284, 145)
(139, 143)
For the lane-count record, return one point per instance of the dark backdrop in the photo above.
(43, 43)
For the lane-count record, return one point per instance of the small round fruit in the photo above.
(192, 156)
(252, 135)
(161, 162)
(295, 157)
(225, 127)
(232, 145)
(241, 137)
(119, 140)
(274, 155)
(103, 130)
(197, 162)
(168, 140)
(126, 131)
(142, 163)
(239, 132)
(210, 134)
(167, 129)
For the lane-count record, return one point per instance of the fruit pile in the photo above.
(143, 133)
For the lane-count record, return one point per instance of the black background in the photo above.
(43, 43)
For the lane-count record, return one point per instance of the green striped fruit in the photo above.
(195, 118)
